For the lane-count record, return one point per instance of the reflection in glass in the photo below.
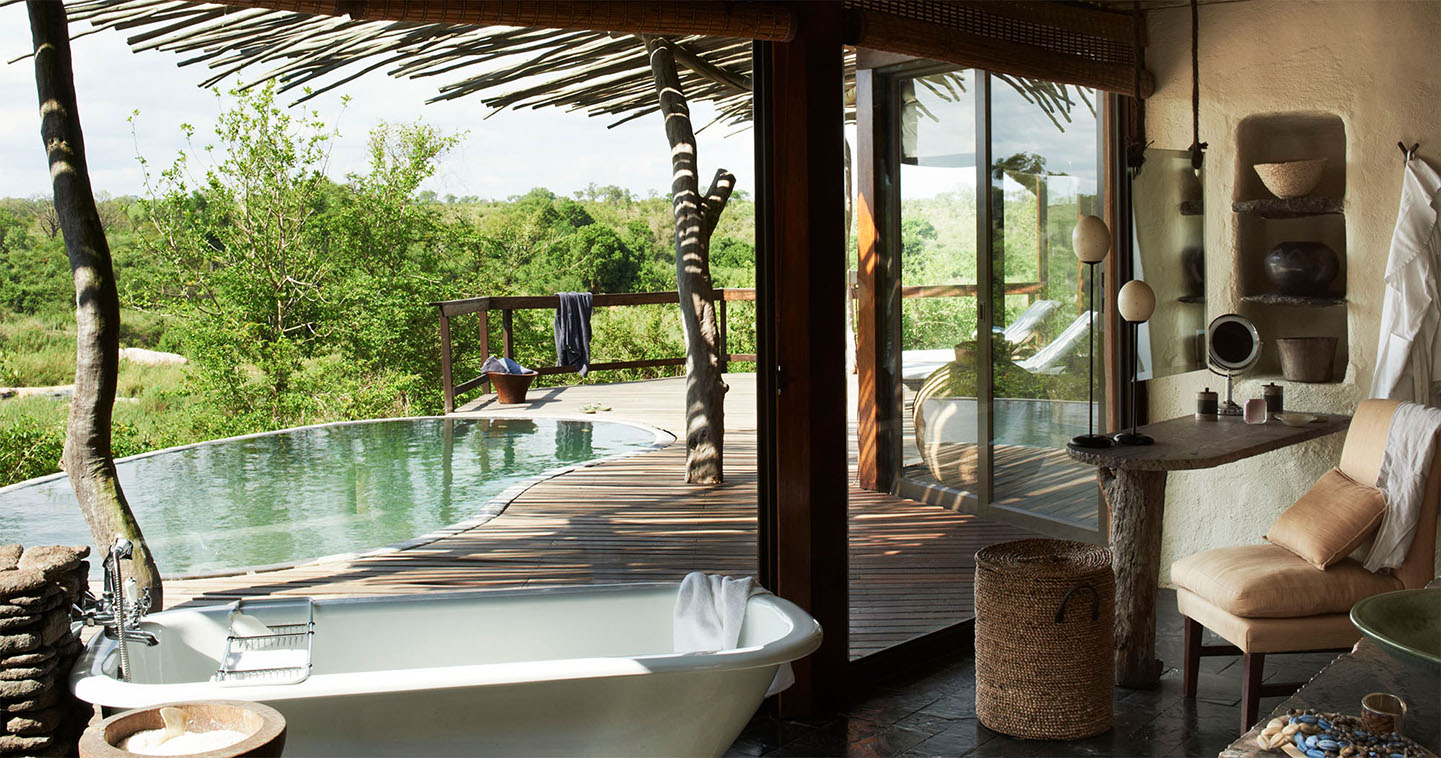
(1167, 210)
(938, 252)
(1044, 177)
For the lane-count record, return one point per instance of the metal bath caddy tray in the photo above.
(279, 655)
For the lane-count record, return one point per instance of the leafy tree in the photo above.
(573, 213)
(275, 268)
(602, 260)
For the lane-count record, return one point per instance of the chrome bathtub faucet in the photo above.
(120, 618)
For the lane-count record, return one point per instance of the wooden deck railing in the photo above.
(507, 305)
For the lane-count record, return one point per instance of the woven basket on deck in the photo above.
(1044, 652)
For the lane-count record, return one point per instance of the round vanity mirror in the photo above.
(1233, 346)
(1233, 343)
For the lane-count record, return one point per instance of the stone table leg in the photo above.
(1137, 500)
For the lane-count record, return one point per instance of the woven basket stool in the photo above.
(1045, 656)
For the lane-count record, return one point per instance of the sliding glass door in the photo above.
(993, 173)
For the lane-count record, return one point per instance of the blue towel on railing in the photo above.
(572, 331)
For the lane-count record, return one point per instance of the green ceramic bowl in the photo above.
(1406, 624)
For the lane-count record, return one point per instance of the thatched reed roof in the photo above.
(604, 74)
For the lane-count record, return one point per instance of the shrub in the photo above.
(29, 449)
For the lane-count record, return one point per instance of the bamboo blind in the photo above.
(1059, 42)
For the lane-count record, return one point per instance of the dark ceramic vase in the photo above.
(1301, 268)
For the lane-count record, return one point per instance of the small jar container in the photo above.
(1207, 405)
(1274, 395)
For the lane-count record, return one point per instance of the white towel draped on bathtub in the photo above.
(709, 612)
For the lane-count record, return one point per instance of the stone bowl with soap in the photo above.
(204, 729)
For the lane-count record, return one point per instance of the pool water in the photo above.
(306, 493)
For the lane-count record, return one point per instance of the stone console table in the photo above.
(1133, 479)
(1339, 687)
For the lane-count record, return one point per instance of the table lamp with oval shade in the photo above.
(1091, 240)
(1136, 302)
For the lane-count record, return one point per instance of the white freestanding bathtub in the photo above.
(559, 671)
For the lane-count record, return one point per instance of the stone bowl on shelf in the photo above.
(1307, 359)
(1290, 179)
(1304, 268)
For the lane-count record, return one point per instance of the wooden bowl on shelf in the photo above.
(1290, 179)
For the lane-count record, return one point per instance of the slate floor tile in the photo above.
(960, 738)
(931, 711)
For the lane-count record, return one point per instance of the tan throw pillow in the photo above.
(1330, 520)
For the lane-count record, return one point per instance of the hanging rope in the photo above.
(1198, 148)
(1136, 144)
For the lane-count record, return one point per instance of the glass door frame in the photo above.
(879, 353)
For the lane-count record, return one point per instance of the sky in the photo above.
(506, 155)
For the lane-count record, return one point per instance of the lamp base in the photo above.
(1229, 408)
(1091, 440)
(1133, 438)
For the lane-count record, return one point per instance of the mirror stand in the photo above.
(1228, 408)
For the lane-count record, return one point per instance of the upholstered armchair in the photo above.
(1265, 599)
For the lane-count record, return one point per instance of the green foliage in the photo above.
(29, 449)
(299, 298)
(1009, 380)
(595, 259)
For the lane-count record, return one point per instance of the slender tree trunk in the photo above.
(695, 220)
(87, 459)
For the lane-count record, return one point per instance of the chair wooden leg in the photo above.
(1191, 668)
(1251, 689)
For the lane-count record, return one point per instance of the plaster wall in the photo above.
(1372, 65)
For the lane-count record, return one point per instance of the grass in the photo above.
(152, 409)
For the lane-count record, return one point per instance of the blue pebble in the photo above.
(1328, 745)
(1314, 753)
(1323, 723)
(1311, 741)
(1397, 755)
(1361, 733)
(1299, 739)
(1306, 718)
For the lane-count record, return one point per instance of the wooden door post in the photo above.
(800, 117)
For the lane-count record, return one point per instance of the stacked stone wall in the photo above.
(38, 586)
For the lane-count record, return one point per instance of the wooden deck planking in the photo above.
(634, 519)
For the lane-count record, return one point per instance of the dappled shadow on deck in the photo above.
(635, 519)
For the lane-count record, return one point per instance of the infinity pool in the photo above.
(310, 492)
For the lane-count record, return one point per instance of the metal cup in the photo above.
(1383, 713)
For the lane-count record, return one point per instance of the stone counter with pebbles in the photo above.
(1339, 687)
(38, 715)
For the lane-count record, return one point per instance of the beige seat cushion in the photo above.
(1330, 520)
(1269, 581)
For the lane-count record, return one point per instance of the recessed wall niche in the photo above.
(1265, 221)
